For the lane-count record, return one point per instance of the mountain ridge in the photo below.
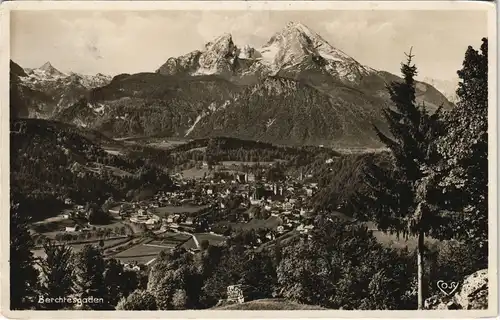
(59, 89)
(283, 52)
(295, 89)
(296, 52)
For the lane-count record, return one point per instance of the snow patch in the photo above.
(329, 56)
(270, 122)
(269, 53)
(114, 152)
(198, 118)
(224, 106)
(99, 109)
(212, 107)
(79, 123)
(202, 71)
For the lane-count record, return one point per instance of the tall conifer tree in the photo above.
(397, 197)
(57, 273)
(90, 268)
(463, 153)
(23, 275)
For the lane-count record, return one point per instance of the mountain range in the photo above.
(447, 87)
(47, 90)
(296, 89)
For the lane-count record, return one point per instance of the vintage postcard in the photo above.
(209, 159)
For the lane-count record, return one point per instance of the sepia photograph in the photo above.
(249, 156)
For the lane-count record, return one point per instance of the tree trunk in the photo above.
(420, 271)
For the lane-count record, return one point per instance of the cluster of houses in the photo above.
(178, 222)
(284, 200)
(178, 198)
(147, 218)
(77, 211)
(144, 212)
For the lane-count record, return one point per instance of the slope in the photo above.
(269, 304)
(289, 112)
(148, 104)
(52, 90)
(50, 162)
(295, 89)
(25, 101)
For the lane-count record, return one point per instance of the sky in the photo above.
(114, 42)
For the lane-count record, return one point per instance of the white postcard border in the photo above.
(7, 7)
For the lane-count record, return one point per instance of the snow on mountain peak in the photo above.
(297, 26)
(223, 40)
(218, 57)
(248, 52)
(46, 66)
(50, 70)
(298, 46)
(222, 47)
(294, 49)
(48, 76)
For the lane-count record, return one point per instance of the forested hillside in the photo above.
(50, 162)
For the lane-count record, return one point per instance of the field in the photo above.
(49, 220)
(171, 239)
(144, 252)
(229, 164)
(140, 253)
(354, 150)
(140, 250)
(78, 246)
(112, 224)
(166, 144)
(53, 227)
(194, 173)
(137, 259)
(50, 227)
(392, 240)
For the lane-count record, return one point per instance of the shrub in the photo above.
(138, 300)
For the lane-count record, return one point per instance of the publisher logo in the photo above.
(447, 288)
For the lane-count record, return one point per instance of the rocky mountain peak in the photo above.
(296, 32)
(223, 41)
(294, 52)
(301, 28)
(17, 69)
(46, 66)
(50, 70)
(222, 47)
(248, 52)
(297, 48)
(218, 57)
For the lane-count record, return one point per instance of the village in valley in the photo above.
(203, 209)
